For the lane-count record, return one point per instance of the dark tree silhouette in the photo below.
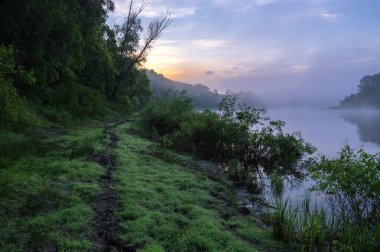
(129, 37)
(368, 94)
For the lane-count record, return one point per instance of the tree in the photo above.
(128, 37)
(368, 93)
(54, 39)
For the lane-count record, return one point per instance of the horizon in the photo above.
(294, 52)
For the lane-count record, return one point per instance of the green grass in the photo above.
(168, 207)
(168, 202)
(314, 230)
(47, 187)
(248, 230)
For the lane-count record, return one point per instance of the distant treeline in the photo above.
(368, 94)
(201, 95)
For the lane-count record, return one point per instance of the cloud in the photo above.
(298, 68)
(235, 5)
(209, 72)
(154, 11)
(354, 61)
(264, 2)
(209, 43)
(330, 16)
(243, 4)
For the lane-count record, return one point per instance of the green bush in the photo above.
(201, 134)
(227, 137)
(165, 116)
(285, 148)
(14, 113)
(352, 184)
(350, 220)
(79, 99)
(230, 136)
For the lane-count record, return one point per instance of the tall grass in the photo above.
(350, 218)
(277, 184)
(312, 228)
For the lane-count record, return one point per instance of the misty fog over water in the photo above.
(328, 130)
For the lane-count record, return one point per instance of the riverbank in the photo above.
(161, 201)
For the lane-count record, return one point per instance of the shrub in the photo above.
(226, 137)
(14, 113)
(165, 116)
(79, 99)
(351, 219)
(352, 184)
(201, 134)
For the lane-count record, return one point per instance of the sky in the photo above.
(295, 52)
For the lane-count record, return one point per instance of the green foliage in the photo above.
(55, 39)
(137, 92)
(79, 99)
(242, 139)
(352, 181)
(99, 71)
(168, 207)
(316, 228)
(14, 113)
(13, 110)
(165, 116)
(350, 184)
(285, 148)
(300, 224)
(277, 184)
(62, 56)
(200, 134)
(47, 38)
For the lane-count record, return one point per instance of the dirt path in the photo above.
(106, 223)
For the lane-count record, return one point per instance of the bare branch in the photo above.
(130, 21)
(155, 29)
(137, 87)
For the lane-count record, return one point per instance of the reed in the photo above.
(312, 228)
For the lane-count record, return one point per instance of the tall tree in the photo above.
(54, 39)
(131, 54)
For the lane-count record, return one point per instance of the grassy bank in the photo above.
(173, 206)
(167, 201)
(47, 188)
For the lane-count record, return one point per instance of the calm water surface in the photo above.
(328, 130)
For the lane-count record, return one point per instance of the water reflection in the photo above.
(328, 130)
(367, 123)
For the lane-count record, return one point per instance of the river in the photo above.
(328, 130)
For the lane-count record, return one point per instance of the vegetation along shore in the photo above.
(93, 159)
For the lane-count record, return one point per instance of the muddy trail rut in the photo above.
(107, 204)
